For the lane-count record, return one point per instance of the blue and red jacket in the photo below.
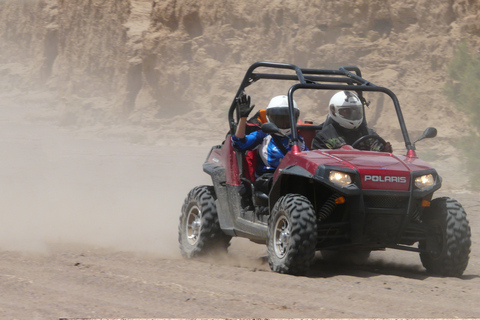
(268, 151)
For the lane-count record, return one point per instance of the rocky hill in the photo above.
(172, 66)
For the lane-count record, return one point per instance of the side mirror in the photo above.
(270, 128)
(430, 132)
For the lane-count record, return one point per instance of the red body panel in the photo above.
(378, 171)
(225, 157)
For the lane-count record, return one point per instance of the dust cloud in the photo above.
(63, 188)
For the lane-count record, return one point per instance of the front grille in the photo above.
(382, 228)
(387, 202)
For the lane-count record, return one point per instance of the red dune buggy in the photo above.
(342, 201)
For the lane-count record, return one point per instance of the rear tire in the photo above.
(448, 247)
(199, 230)
(292, 235)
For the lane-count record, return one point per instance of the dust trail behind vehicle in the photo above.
(62, 188)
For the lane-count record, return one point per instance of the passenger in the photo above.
(344, 125)
(271, 147)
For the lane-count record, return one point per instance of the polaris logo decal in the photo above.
(385, 179)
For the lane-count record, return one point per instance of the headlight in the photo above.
(340, 178)
(424, 181)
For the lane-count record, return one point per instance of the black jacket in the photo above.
(333, 136)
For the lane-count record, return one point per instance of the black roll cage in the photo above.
(345, 78)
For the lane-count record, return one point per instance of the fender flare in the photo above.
(292, 170)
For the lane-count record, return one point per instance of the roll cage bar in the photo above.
(345, 78)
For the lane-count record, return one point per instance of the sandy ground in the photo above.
(89, 230)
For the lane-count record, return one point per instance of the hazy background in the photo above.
(109, 107)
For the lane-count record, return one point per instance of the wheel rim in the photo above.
(282, 237)
(193, 225)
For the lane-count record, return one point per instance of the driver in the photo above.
(271, 148)
(344, 125)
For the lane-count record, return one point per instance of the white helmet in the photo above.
(277, 112)
(346, 109)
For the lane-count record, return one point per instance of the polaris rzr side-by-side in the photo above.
(345, 201)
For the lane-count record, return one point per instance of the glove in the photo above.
(376, 145)
(243, 105)
(387, 147)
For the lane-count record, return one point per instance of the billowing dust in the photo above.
(62, 188)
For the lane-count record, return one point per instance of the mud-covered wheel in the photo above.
(199, 230)
(292, 234)
(448, 245)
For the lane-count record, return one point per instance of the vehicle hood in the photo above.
(377, 170)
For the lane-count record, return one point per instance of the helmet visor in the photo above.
(351, 112)
(279, 116)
